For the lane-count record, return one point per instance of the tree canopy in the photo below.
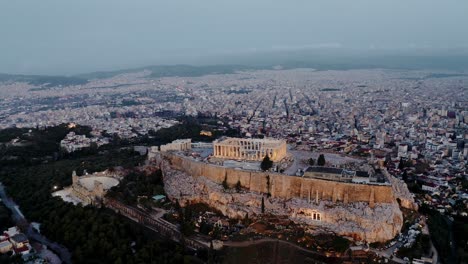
(321, 160)
(266, 163)
(93, 235)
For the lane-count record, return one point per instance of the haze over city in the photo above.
(57, 37)
(241, 131)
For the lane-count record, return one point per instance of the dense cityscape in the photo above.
(411, 124)
(149, 132)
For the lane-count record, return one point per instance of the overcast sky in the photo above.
(66, 37)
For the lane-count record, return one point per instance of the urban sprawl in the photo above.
(408, 125)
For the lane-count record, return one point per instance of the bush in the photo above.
(266, 163)
(321, 160)
(340, 244)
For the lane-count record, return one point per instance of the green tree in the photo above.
(401, 165)
(421, 167)
(216, 233)
(404, 176)
(92, 235)
(340, 244)
(454, 136)
(321, 160)
(266, 163)
(409, 163)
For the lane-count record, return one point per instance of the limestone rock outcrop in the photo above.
(358, 220)
(401, 192)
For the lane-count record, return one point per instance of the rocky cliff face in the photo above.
(357, 220)
(400, 189)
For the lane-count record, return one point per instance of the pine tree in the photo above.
(405, 176)
(266, 163)
(401, 165)
(321, 160)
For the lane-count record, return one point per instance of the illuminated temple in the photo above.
(249, 149)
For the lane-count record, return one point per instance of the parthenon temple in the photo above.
(249, 149)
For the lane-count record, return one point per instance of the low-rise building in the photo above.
(5, 246)
(178, 145)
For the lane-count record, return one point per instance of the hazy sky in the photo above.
(66, 37)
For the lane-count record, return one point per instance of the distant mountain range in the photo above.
(43, 80)
(328, 60)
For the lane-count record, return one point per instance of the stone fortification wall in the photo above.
(284, 186)
(357, 220)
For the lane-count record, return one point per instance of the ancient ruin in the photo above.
(249, 149)
(89, 188)
(364, 210)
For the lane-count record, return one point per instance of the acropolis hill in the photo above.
(367, 210)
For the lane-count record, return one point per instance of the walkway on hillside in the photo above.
(159, 225)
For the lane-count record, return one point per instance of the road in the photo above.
(32, 234)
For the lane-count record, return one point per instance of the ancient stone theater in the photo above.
(91, 188)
